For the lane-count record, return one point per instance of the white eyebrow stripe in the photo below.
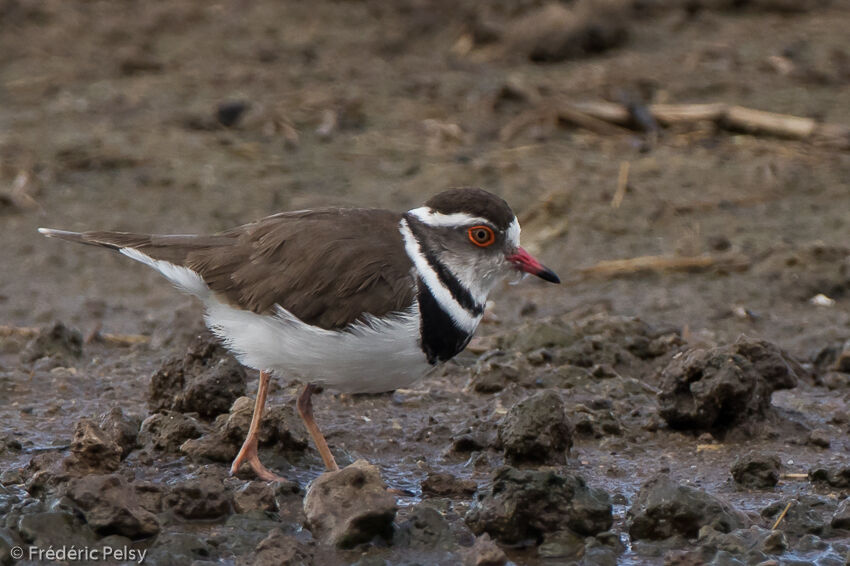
(437, 219)
(464, 320)
(512, 233)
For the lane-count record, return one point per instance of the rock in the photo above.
(599, 340)
(753, 543)
(834, 380)
(254, 495)
(841, 517)
(425, 529)
(594, 423)
(757, 470)
(565, 545)
(664, 508)
(527, 504)
(280, 427)
(150, 495)
(206, 380)
(178, 549)
(808, 514)
(536, 430)
(350, 506)
(213, 446)
(45, 472)
(169, 430)
(121, 428)
(110, 506)
(280, 549)
(200, 498)
(492, 373)
(819, 438)
(554, 32)
(835, 357)
(834, 477)
(92, 450)
(55, 341)
(484, 552)
(447, 485)
(7, 542)
(55, 528)
(721, 387)
(599, 556)
(842, 360)
(775, 543)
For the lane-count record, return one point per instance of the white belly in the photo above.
(369, 357)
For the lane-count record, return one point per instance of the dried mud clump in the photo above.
(280, 549)
(664, 508)
(602, 343)
(721, 387)
(536, 430)
(55, 341)
(448, 485)
(92, 449)
(425, 529)
(200, 498)
(528, 504)
(757, 470)
(350, 506)
(169, 430)
(206, 380)
(110, 507)
(806, 515)
(838, 477)
(280, 427)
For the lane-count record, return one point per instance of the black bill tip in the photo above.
(547, 274)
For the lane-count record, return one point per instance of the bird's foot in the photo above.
(249, 454)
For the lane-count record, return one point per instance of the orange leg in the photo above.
(305, 409)
(248, 452)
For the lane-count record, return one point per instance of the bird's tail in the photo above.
(166, 253)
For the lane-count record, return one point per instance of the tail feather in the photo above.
(171, 248)
(113, 240)
(168, 254)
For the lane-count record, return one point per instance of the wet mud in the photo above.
(679, 415)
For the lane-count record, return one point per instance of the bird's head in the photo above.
(475, 235)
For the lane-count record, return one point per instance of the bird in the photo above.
(357, 300)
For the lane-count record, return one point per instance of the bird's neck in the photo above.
(450, 303)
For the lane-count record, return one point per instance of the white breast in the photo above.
(368, 357)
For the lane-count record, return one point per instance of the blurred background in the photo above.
(199, 116)
(630, 136)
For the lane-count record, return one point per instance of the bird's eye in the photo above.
(481, 236)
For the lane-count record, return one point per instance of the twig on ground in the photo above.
(618, 267)
(781, 516)
(735, 118)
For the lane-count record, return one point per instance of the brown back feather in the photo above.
(327, 267)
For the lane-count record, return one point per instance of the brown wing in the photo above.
(327, 267)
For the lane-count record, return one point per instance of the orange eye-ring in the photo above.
(481, 236)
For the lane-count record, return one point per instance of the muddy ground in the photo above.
(619, 404)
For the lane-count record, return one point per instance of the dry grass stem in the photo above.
(781, 516)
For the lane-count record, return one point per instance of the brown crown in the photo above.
(473, 201)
